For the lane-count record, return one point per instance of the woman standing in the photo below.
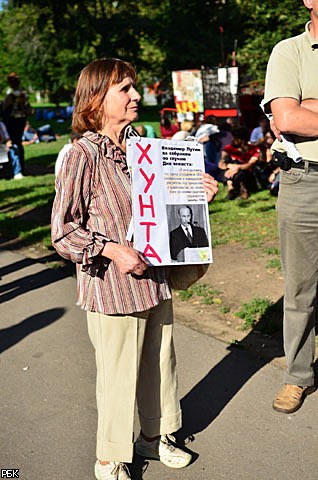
(15, 110)
(129, 309)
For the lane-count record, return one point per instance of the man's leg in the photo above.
(15, 161)
(15, 129)
(298, 230)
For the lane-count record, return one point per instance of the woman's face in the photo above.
(121, 103)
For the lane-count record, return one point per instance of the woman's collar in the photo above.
(111, 150)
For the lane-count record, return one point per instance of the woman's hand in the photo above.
(127, 259)
(210, 187)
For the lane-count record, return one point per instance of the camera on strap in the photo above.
(281, 159)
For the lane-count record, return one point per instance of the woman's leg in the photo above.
(157, 395)
(158, 403)
(115, 339)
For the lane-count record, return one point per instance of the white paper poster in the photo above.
(170, 211)
(3, 154)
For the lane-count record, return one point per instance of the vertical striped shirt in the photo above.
(92, 206)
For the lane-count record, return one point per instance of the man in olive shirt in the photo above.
(291, 95)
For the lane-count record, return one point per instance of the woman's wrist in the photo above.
(109, 249)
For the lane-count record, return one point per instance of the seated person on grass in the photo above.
(265, 170)
(44, 133)
(238, 160)
(29, 135)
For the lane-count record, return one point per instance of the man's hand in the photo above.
(275, 130)
(232, 169)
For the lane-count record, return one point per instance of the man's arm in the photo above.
(222, 162)
(250, 163)
(292, 117)
(310, 104)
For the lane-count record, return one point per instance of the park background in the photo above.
(48, 42)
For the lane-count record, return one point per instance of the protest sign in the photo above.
(188, 90)
(170, 212)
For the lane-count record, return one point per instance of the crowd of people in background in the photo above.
(235, 155)
(15, 109)
(16, 130)
(58, 113)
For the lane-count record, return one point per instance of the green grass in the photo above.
(224, 309)
(274, 263)
(25, 209)
(252, 222)
(206, 294)
(25, 204)
(44, 154)
(150, 116)
(272, 250)
(252, 311)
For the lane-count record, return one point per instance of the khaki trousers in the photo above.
(135, 360)
(298, 230)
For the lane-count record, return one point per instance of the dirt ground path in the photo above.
(238, 275)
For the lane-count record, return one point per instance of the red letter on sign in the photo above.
(148, 225)
(149, 180)
(144, 153)
(143, 206)
(150, 252)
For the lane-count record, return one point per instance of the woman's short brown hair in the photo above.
(92, 86)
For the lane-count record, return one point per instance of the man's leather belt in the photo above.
(312, 166)
(281, 159)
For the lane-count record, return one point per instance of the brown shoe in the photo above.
(290, 398)
(243, 192)
(232, 194)
(244, 195)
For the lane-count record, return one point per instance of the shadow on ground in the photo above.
(206, 400)
(245, 358)
(12, 335)
(10, 290)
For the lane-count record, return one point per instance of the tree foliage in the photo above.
(48, 41)
(266, 23)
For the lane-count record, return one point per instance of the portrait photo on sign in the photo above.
(189, 233)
